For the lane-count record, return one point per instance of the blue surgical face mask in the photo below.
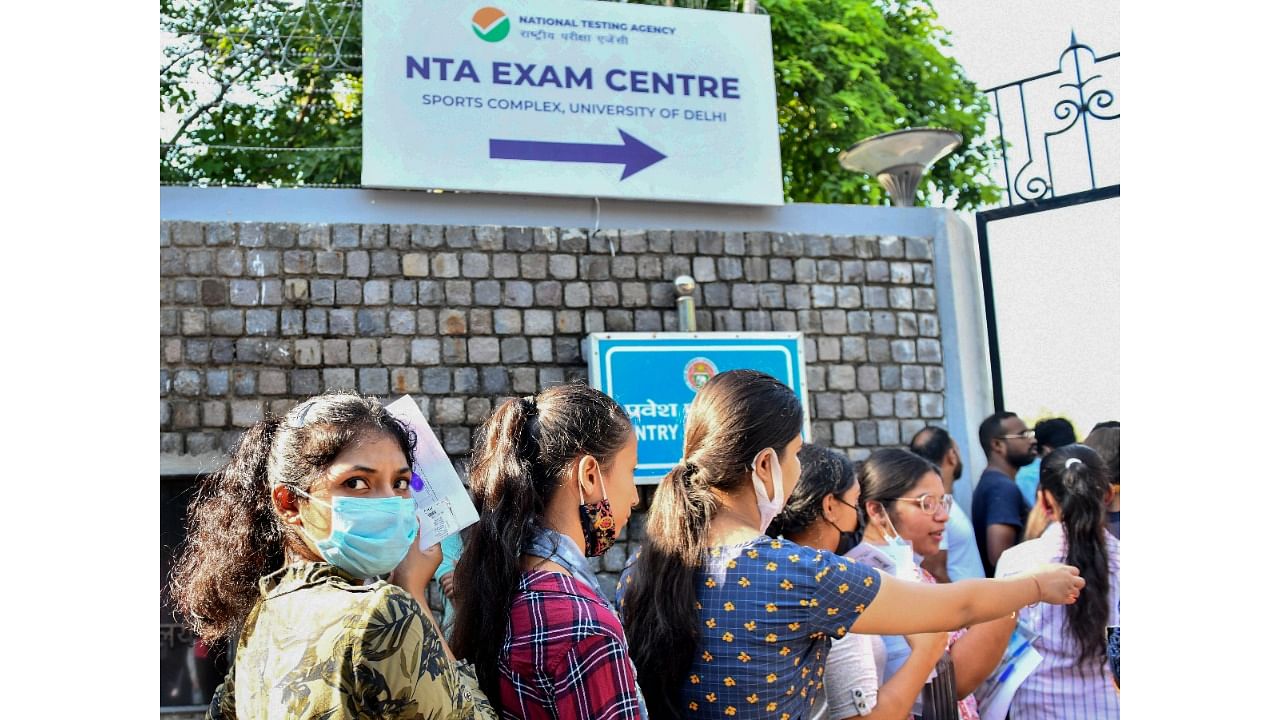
(370, 536)
(899, 551)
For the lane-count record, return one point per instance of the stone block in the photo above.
(524, 381)
(900, 273)
(539, 322)
(457, 292)
(335, 352)
(704, 269)
(618, 321)
(649, 267)
(918, 248)
(604, 294)
(484, 350)
(457, 440)
(931, 405)
(841, 377)
(593, 267)
(517, 293)
(488, 237)
(772, 295)
(424, 351)
(903, 351)
(745, 295)
(291, 322)
(888, 432)
(923, 273)
(824, 296)
(449, 411)
(892, 248)
(518, 239)
(506, 265)
(244, 413)
(466, 380)
(394, 351)
(322, 292)
(371, 322)
(244, 292)
(798, 297)
(475, 265)
(314, 235)
(891, 377)
(855, 405)
(875, 297)
(374, 381)
(494, 381)
(563, 267)
(829, 349)
(547, 293)
(377, 292)
(358, 264)
(634, 294)
(878, 271)
(906, 405)
(514, 350)
(827, 405)
(459, 236)
(364, 351)
(781, 269)
(339, 378)
(647, 321)
(924, 299)
(385, 263)
(928, 350)
(788, 245)
(833, 322)
(261, 322)
(348, 292)
(806, 270)
(416, 265)
(444, 265)
(272, 382)
(935, 379)
(913, 377)
(436, 380)
(226, 322)
(884, 322)
(342, 321)
(881, 404)
(402, 322)
(848, 296)
(305, 383)
(623, 267)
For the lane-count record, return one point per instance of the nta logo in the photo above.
(490, 24)
(697, 372)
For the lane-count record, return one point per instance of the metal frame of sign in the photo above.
(601, 371)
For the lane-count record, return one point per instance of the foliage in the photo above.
(844, 69)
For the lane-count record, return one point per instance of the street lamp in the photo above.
(900, 158)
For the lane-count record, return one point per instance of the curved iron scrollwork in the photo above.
(1034, 180)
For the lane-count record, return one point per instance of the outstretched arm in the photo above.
(961, 604)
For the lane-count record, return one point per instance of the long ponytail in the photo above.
(520, 458)
(733, 417)
(1078, 480)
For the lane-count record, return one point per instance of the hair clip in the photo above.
(300, 414)
(1071, 461)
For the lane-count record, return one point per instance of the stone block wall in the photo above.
(257, 316)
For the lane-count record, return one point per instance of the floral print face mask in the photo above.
(598, 526)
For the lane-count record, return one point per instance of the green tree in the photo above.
(277, 73)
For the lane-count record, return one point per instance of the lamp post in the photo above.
(686, 316)
(899, 159)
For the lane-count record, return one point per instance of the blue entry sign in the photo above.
(654, 377)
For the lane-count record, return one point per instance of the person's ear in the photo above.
(829, 508)
(285, 502)
(589, 476)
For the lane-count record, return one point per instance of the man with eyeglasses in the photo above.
(999, 510)
(958, 557)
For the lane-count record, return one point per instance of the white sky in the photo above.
(1056, 274)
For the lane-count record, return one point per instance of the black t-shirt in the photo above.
(996, 501)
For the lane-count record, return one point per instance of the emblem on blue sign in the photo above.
(697, 372)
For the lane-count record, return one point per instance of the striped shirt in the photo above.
(1061, 687)
(565, 655)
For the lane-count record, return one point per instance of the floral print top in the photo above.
(320, 644)
(769, 609)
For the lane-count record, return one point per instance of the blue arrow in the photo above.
(632, 154)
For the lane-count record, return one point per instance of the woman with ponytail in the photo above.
(282, 547)
(1073, 680)
(553, 477)
(724, 621)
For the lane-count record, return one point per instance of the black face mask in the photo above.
(847, 543)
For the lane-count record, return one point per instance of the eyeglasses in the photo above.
(842, 502)
(930, 503)
(1024, 435)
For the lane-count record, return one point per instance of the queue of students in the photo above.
(714, 616)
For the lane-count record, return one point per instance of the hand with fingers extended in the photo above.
(418, 566)
(1058, 584)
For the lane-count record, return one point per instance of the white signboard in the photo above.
(564, 97)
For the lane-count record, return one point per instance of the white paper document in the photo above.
(444, 505)
(1019, 661)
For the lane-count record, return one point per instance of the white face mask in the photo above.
(900, 552)
(769, 509)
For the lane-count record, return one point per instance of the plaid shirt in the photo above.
(564, 655)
